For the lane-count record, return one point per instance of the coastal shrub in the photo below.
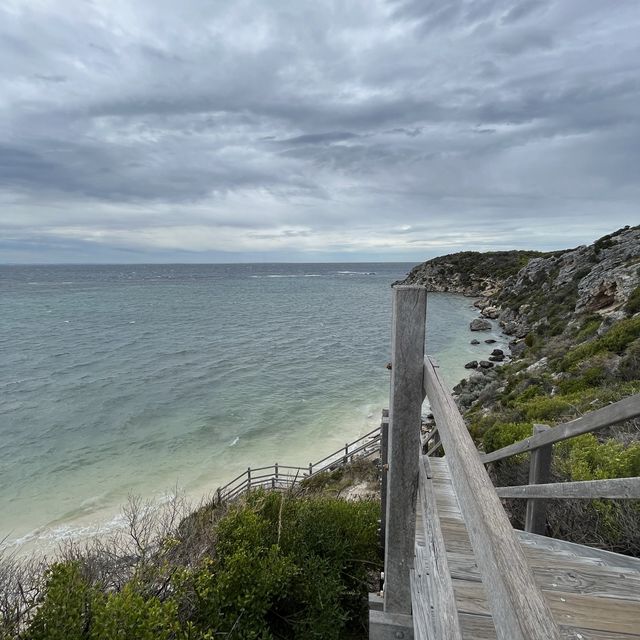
(585, 458)
(288, 568)
(281, 566)
(629, 366)
(588, 328)
(503, 434)
(633, 302)
(64, 612)
(621, 334)
(128, 615)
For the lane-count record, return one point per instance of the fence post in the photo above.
(276, 468)
(535, 520)
(407, 366)
(384, 466)
(248, 478)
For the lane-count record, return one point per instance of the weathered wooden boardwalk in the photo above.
(591, 593)
(454, 566)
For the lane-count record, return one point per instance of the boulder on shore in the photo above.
(490, 312)
(497, 352)
(490, 341)
(471, 365)
(485, 364)
(496, 358)
(480, 324)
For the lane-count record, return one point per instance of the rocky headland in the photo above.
(574, 321)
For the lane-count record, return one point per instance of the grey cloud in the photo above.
(295, 121)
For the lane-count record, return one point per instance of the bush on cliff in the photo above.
(279, 566)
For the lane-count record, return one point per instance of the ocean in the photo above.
(137, 379)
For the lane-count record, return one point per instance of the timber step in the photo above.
(591, 593)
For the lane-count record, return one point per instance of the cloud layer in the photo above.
(290, 130)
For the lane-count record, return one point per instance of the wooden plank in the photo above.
(389, 626)
(556, 573)
(615, 413)
(535, 519)
(407, 348)
(599, 614)
(384, 466)
(616, 488)
(517, 605)
(423, 628)
(441, 598)
(597, 556)
(477, 627)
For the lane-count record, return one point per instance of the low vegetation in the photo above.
(572, 364)
(271, 565)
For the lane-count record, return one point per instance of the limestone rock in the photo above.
(480, 324)
(471, 365)
(490, 312)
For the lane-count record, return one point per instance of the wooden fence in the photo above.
(417, 595)
(278, 476)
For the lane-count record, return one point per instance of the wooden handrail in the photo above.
(519, 609)
(624, 409)
(616, 488)
(282, 474)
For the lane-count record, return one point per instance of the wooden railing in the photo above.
(518, 608)
(417, 593)
(539, 489)
(277, 476)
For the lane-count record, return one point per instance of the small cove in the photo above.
(122, 380)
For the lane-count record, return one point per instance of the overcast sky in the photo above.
(276, 130)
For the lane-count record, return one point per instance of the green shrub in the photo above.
(615, 340)
(283, 567)
(128, 615)
(504, 434)
(584, 458)
(633, 303)
(65, 609)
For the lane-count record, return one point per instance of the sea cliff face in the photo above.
(531, 291)
(574, 318)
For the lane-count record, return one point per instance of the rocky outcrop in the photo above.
(469, 272)
(598, 278)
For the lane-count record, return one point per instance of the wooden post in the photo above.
(539, 471)
(219, 492)
(248, 478)
(310, 468)
(346, 453)
(407, 366)
(384, 466)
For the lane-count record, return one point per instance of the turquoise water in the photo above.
(137, 379)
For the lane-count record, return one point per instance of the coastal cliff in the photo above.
(574, 319)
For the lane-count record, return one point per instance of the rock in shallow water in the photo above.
(474, 341)
(485, 364)
(471, 365)
(480, 324)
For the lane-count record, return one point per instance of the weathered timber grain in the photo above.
(517, 605)
(614, 615)
(407, 353)
(553, 572)
(616, 488)
(478, 627)
(535, 520)
(441, 597)
(624, 409)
